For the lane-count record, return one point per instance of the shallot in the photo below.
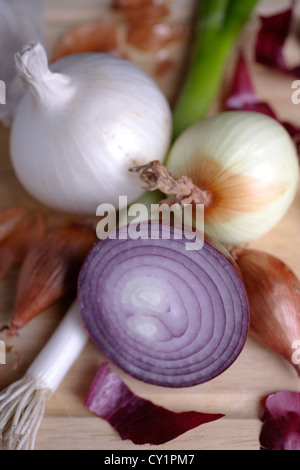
(273, 291)
(49, 271)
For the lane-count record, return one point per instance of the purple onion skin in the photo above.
(163, 314)
(135, 418)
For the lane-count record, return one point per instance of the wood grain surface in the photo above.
(238, 392)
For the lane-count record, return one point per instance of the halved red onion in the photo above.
(165, 314)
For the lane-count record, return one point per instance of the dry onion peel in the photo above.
(155, 37)
(135, 418)
(49, 271)
(24, 232)
(22, 403)
(243, 97)
(10, 220)
(165, 314)
(271, 40)
(281, 422)
(273, 291)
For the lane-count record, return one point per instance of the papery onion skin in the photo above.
(135, 418)
(271, 39)
(49, 271)
(10, 220)
(82, 125)
(248, 162)
(164, 314)
(281, 422)
(27, 232)
(243, 97)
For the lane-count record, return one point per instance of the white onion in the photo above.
(82, 125)
(249, 164)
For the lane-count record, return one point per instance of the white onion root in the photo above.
(22, 407)
(22, 404)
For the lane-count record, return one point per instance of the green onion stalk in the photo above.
(219, 24)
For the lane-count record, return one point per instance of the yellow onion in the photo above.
(247, 163)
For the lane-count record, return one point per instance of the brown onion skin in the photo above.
(25, 232)
(273, 292)
(11, 220)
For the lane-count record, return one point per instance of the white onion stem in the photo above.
(61, 351)
(32, 66)
(22, 404)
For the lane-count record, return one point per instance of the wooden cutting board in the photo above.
(237, 393)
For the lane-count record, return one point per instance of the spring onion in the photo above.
(220, 23)
(22, 403)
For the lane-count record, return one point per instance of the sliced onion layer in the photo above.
(165, 314)
(135, 418)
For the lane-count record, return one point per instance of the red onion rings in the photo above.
(164, 314)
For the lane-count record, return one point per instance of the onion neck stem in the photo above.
(219, 23)
(48, 88)
(156, 176)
